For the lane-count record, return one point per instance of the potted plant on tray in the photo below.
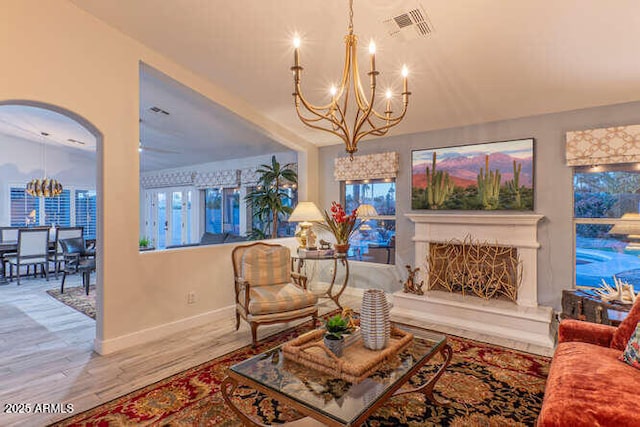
(334, 340)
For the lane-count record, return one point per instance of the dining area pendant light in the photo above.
(349, 114)
(45, 187)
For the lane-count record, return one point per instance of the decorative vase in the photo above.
(375, 323)
(336, 346)
(341, 248)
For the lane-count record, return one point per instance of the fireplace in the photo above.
(469, 267)
(472, 308)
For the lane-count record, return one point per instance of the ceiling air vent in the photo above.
(409, 24)
(75, 141)
(159, 110)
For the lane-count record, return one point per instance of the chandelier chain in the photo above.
(350, 16)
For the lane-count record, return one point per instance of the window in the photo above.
(222, 210)
(601, 197)
(213, 210)
(57, 210)
(25, 209)
(375, 240)
(85, 206)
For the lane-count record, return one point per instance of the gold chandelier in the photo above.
(44, 187)
(332, 117)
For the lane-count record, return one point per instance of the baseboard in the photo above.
(154, 333)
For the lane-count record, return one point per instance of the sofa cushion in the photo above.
(278, 298)
(588, 386)
(627, 327)
(631, 354)
(231, 238)
(212, 238)
(266, 265)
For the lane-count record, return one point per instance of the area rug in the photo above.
(76, 298)
(487, 385)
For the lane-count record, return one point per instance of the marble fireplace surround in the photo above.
(524, 321)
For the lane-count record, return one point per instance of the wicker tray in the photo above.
(356, 363)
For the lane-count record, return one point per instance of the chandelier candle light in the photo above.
(332, 117)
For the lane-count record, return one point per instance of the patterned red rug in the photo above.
(488, 386)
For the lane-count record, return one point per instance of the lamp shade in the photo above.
(306, 212)
(628, 224)
(366, 211)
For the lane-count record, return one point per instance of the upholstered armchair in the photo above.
(266, 289)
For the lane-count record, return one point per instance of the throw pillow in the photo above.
(631, 354)
(625, 330)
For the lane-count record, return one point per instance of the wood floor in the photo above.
(46, 353)
(47, 357)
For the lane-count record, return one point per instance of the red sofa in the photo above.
(587, 384)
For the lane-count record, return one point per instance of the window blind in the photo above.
(86, 212)
(25, 209)
(620, 144)
(57, 210)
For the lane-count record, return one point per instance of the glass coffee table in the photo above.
(328, 399)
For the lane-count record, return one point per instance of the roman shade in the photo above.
(620, 144)
(169, 179)
(219, 178)
(369, 166)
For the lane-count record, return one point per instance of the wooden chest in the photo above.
(583, 304)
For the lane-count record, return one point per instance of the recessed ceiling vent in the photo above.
(159, 110)
(409, 24)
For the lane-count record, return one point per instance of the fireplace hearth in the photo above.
(472, 308)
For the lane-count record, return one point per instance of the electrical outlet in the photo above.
(191, 297)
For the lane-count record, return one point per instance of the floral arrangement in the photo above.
(341, 225)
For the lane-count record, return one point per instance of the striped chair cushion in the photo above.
(266, 265)
(278, 298)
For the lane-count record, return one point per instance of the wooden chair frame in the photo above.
(241, 284)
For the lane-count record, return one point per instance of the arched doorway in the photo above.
(40, 139)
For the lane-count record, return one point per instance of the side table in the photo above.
(333, 292)
(616, 317)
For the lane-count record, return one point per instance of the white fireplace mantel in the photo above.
(524, 321)
(515, 230)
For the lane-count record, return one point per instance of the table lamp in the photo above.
(305, 213)
(366, 211)
(629, 225)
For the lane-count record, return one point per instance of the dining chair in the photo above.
(33, 248)
(77, 259)
(8, 234)
(57, 254)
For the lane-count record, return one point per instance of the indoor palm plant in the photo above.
(268, 200)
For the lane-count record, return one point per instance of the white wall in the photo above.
(553, 182)
(62, 56)
(21, 161)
